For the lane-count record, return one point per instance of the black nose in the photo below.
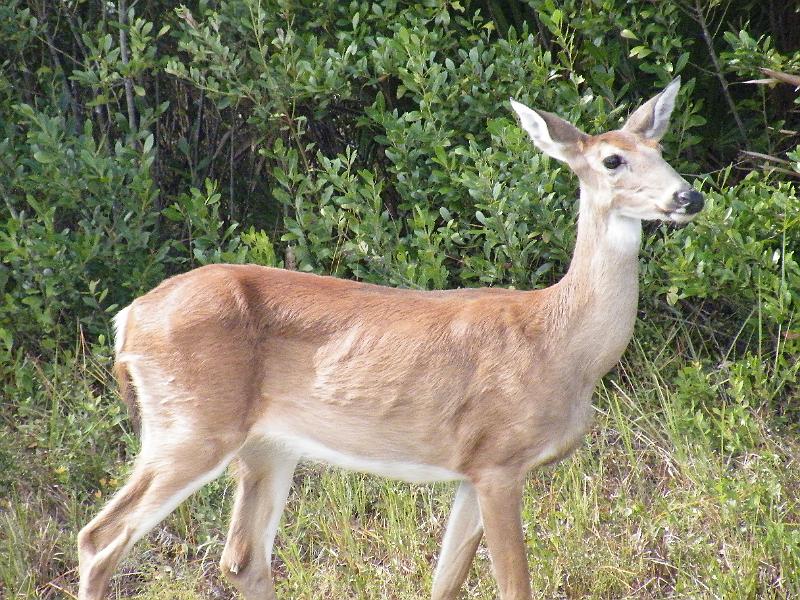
(690, 200)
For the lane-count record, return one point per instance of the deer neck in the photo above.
(597, 298)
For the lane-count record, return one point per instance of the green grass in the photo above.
(687, 487)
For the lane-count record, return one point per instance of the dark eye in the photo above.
(612, 162)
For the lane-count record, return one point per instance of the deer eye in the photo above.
(612, 162)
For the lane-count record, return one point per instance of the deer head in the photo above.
(622, 172)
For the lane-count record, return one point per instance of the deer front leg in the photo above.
(461, 539)
(500, 503)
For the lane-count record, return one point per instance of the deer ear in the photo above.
(651, 119)
(551, 134)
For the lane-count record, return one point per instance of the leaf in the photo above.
(681, 62)
(183, 146)
(98, 100)
(172, 213)
(148, 144)
(441, 155)
(640, 51)
(43, 157)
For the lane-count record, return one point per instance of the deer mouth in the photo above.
(685, 206)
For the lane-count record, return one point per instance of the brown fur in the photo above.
(127, 393)
(623, 140)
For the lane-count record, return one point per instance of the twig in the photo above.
(198, 124)
(781, 76)
(123, 52)
(100, 110)
(701, 20)
(764, 157)
(785, 172)
(772, 169)
(769, 158)
(231, 199)
(58, 66)
(544, 38)
(223, 141)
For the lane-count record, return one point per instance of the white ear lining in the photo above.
(662, 111)
(539, 132)
(531, 121)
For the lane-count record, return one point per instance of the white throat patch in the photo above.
(624, 233)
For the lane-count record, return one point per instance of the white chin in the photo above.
(680, 218)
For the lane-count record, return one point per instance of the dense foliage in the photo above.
(374, 140)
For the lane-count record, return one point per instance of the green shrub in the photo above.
(76, 235)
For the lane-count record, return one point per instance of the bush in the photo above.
(77, 232)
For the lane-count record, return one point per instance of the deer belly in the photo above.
(310, 449)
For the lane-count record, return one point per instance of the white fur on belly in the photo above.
(312, 450)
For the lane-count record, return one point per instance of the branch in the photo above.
(701, 20)
(767, 158)
(123, 50)
(782, 77)
(59, 67)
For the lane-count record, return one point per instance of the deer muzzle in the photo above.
(689, 202)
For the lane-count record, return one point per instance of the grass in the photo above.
(687, 487)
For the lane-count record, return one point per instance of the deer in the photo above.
(268, 367)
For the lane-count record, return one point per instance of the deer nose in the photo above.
(690, 200)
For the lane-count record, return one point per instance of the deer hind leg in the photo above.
(264, 476)
(461, 539)
(184, 446)
(160, 482)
